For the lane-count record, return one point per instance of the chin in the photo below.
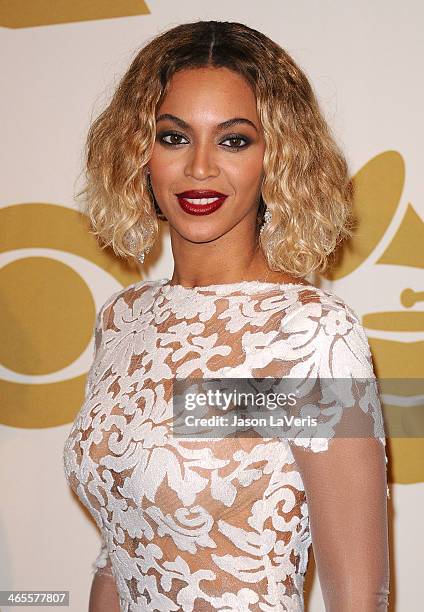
(200, 235)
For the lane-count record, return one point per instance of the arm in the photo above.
(104, 594)
(346, 494)
(344, 472)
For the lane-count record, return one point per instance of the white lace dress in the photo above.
(211, 524)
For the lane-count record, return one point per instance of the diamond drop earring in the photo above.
(141, 256)
(131, 244)
(145, 233)
(267, 219)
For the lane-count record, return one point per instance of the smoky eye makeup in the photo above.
(172, 134)
(239, 137)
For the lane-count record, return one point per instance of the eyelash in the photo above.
(229, 137)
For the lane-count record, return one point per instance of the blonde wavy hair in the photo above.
(306, 184)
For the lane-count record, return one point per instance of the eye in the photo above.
(173, 136)
(237, 138)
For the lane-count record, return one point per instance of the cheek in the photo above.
(247, 174)
(156, 160)
(160, 154)
(163, 169)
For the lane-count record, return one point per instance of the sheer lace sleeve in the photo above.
(97, 331)
(100, 340)
(102, 563)
(335, 378)
(345, 476)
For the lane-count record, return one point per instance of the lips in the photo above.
(201, 201)
(200, 193)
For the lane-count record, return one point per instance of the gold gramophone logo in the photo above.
(387, 254)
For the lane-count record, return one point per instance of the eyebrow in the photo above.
(221, 126)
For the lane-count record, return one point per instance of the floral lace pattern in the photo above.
(218, 524)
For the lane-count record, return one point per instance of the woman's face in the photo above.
(192, 152)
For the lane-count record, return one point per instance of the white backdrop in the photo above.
(364, 60)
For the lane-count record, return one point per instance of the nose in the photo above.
(200, 163)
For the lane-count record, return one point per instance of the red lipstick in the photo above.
(187, 201)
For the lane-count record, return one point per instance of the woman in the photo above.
(216, 130)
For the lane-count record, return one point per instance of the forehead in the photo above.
(209, 94)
